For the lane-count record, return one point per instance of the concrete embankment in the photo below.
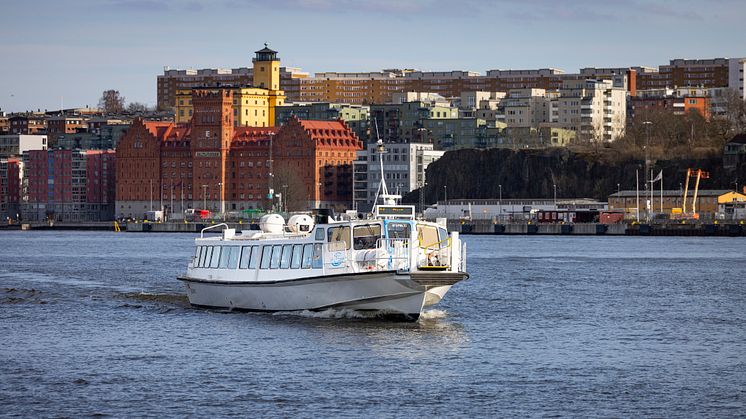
(596, 229)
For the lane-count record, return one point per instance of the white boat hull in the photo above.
(388, 292)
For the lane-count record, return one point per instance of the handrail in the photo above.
(201, 233)
(448, 240)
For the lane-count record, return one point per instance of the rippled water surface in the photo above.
(95, 323)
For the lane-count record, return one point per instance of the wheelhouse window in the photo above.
(205, 258)
(317, 261)
(319, 233)
(398, 231)
(339, 235)
(428, 236)
(214, 262)
(197, 254)
(366, 236)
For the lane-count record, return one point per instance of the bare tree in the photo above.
(289, 183)
(735, 111)
(111, 102)
(137, 107)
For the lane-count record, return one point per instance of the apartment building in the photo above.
(28, 124)
(16, 144)
(526, 108)
(594, 109)
(68, 185)
(404, 167)
(402, 123)
(11, 170)
(355, 116)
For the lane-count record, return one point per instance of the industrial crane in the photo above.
(701, 174)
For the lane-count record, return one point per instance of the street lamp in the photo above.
(204, 197)
(222, 202)
(618, 189)
(285, 197)
(445, 193)
(555, 195)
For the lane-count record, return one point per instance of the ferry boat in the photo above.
(390, 263)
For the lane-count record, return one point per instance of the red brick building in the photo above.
(68, 185)
(10, 189)
(210, 163)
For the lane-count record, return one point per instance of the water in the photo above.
(96, 324)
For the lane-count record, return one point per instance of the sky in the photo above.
(55, 53)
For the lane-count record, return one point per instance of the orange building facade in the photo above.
(211, 164)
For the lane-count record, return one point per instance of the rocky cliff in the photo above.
(533, 174)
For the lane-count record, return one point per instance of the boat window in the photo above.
(317, 261)
(215, 257)
(287, 253)
(233, 259)
(443, 236)
(254, 257)
(266, 252)
(428, 236)
(224, 257)
(366, 236)
(398, 231)
(319, 233)
(307, 256)
(297, 250)
(339, 235)
(205, 262)
(245, 257)
(197, 253)
(276, 253)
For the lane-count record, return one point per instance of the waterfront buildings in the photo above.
(708, 202)
(210, 162)
(28, 124)
(68, 185)
(11, 170)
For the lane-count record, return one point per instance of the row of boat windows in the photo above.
(286, 256)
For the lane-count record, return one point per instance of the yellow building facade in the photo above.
(253, 106)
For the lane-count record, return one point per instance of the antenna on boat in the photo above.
(382, 192)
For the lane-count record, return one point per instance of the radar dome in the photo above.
(300, 223)
(272, 223)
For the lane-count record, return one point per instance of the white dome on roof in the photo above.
(272, 223)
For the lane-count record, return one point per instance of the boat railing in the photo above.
(435, 255)
(202, 233)
(393, 254)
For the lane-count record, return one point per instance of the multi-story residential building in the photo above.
(28, 124)
(545, 135)
(355, 116)
(404, 166)
(456, 133)
(382, 86)
(594, 109)
(105, 137)
(403, 123)
(527, 108)
(253, 105)
(68, 185)
(17, 144)
(679, 101)
(210, 162)
(10, 189)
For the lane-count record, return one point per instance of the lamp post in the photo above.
(445, 193)
(555, 195)
(285, 197)
(204, 197)
(647, 165)
(222, 201)
(500, 201)
(271, 194)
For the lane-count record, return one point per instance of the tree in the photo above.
(288, 182)
(137, 107)
(111, 102)
(735, 111)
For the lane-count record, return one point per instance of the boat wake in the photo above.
(433, 314)
(330, 313)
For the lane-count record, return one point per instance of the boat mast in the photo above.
(382, 192)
